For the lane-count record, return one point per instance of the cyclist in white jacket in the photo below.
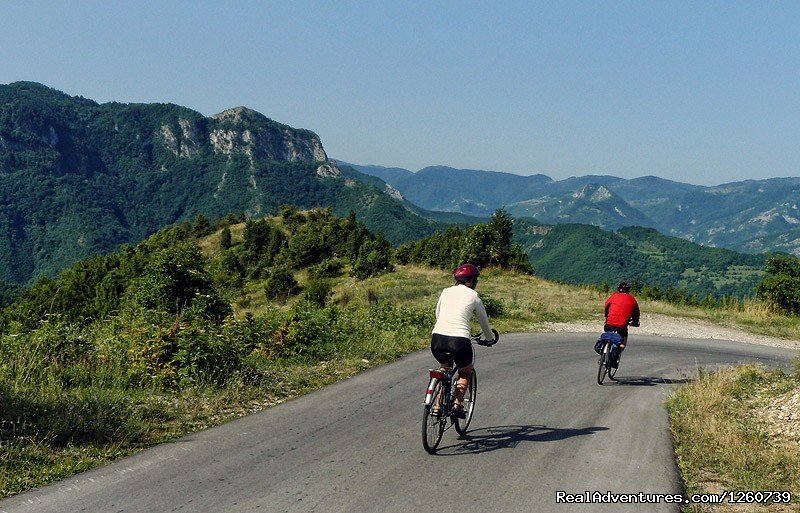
(451, 333)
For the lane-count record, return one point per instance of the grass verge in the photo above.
(728, 437)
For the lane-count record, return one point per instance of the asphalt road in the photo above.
(541, 426)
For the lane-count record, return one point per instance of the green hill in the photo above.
(586, 254)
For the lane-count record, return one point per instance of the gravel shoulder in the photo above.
(662, 325)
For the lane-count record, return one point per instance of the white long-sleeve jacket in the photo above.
(454, 312)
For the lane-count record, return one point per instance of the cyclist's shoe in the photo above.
(458, 411)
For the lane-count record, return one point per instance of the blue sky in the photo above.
(697, 92)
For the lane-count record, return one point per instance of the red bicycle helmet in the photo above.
(465, 273)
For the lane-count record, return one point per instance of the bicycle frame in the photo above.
(440, 396)
(605, 366)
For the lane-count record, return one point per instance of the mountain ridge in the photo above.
(750, 215)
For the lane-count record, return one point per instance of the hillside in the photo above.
(586, 254)
(78, 178)
(749, 216)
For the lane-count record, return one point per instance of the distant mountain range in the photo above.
(751, 216)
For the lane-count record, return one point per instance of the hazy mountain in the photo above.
(473, 192)
(390, 175)
(753, 215)
(590, 204)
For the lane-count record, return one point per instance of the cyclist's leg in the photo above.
(623, 332)
(463, 382)
(463, 360)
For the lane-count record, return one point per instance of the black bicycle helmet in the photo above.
(624, 286)
(465, 273)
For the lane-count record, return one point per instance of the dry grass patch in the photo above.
(724, 443)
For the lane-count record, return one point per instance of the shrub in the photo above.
(225, 239)
(318, 291)
(781, 285)
(374, 257)
(175, 278)
(307, 333)
(494, 307)
(281, 285)
(330, 268)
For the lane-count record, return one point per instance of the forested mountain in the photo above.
(751, 216)
(576, 253)
(78, 178)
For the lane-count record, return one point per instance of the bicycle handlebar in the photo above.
(481, 342)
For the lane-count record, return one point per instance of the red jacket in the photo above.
(620, 308)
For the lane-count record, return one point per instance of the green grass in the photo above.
(71, 400)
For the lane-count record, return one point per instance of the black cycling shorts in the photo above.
(459, 347)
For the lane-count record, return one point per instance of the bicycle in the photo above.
(440, 399)
(608, 348)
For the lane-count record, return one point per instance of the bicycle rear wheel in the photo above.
(612, 370)
(468, 404)
(602, 366)
(434, 420)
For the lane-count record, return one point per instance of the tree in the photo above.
(374, 258)
(281, 284)
(500, 226)
(781, 285)
(201, 227)
(225, 239)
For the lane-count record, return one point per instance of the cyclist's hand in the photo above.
(493, 342)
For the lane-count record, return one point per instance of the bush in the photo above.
(281, 285)
(318, 291)
(307, 333)
(330, 268)
(494, 307)
(374, 257)
(225, 239)
(175, 278)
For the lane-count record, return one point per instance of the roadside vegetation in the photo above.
(737, 430)
(203, 323)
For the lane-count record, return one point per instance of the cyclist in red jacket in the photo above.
(621, 311)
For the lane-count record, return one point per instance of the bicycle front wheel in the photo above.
(468, 404)
(602, 365)
(434, 420)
